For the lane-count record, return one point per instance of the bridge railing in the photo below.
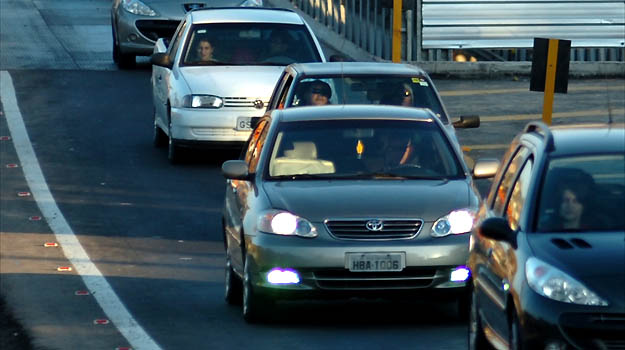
(491, 30)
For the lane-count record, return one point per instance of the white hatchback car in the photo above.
(218, 73)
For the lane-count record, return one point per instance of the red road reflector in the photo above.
(12, 165)
(64, 268)
(50, 244)
(81, 292)
(5, 138)
(101, 321)
(23, 194)
(34, 218)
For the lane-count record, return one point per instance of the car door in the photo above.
(161, 79)
(278, 98)
(488, 270)
(238, 193)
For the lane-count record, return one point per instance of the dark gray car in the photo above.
(347, 201)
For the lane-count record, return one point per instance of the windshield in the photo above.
(412, 91)
(362, 149)
(249, 44)
(583, 194)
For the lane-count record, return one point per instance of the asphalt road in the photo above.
(153, 229)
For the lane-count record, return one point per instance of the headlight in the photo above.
(138, 8)
(552, 283)
(454, 223)
(202, 101)
(252, 3)
(284, 223)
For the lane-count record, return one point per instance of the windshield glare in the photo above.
(362, 149)
(413, 91)
(249, 44)
(583, 194)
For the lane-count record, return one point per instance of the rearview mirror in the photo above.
(161, 59)
(497, 228)
(467, 121)
(235, 170)
(485, 168)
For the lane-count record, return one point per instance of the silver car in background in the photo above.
(210, 102)
(344, 201)
(137, 24)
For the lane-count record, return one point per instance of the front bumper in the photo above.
(137, 34)
(206, 125)
(321, 265)
(546, 322)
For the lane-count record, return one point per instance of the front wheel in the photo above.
(254, 304)
(159, 139)
(233, 286)
(173, 151)
(514, 334)
(477, 339)
(122, 60)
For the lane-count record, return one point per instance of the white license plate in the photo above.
(244, 123)
(371, 262)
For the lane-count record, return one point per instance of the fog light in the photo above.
(460, 274)
(282, 276)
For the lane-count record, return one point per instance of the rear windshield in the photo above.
(410, 91)
(362, 149)
(249, 44)
(583, 194)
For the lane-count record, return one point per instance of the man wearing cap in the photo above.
(320, 93)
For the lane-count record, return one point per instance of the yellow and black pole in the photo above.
(550, 70)
(397, 31)
(550, 80)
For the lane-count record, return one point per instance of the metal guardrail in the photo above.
(485, 30)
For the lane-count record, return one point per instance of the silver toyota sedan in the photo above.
(137, 24)
(348, 201)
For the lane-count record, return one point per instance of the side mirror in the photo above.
(340, 58)
(485, 168)
(467, 122)
(235, 170)
(497, 228)
(161, 59)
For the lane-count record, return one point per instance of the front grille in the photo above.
(409, 278)
(357, 229)
(245, 102)
(595, 331)
(154, 29)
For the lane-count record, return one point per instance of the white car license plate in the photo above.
(371, 262)
(244, 123)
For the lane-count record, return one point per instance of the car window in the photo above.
(255, 156)
(280, 86)
(250, 44)
(284, 92)
(177, 38)
(506, 182)
(372, 149)
(250, 147)
(583, 193)
(519, 195)
(411, 91)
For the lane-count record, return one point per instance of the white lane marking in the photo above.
(75, 253)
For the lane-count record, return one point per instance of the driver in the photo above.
(399, 150)
(278, 46)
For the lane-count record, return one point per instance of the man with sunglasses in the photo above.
(320, 93)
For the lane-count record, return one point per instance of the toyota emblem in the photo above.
(374, 225)
(258, 104)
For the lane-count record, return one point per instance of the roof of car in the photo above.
(344, 112)
(244, 15)
(588, 138)
(354, 68)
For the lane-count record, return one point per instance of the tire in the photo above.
(254, 305)
(464, 306)
(514, 335)
(159, 139)
(173, 151)
(477, 339)
(233, 291)
(123, 61)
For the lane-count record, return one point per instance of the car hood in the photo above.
(233, 81)
(595, 259)
(320, 200)
(175, 9)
